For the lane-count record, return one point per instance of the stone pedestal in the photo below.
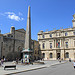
(27, 55)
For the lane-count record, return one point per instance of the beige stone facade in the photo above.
(58, 43)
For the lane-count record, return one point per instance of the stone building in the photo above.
(36, 48)
(58, 43)
(12, 43)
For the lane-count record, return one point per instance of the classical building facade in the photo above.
(58, 43)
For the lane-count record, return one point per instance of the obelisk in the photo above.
(28, 31)
(27, 51)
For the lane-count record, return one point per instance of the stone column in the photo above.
(54, 55)
(55, 43)
(60, 43)
(71, 54)
(62, 54)
(63, 43)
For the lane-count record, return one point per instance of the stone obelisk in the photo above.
(27, 52)
(28, 31)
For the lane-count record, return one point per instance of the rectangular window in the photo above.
(66, 44)
(50, 45)
(58, 44)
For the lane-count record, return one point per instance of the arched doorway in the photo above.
(19, 50)
(67, 55)
(51, 55)
(58, 55)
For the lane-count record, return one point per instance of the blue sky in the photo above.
(45, 14)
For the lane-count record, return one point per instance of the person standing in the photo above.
(74, 64)
(16, 60)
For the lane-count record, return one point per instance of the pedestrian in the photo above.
(74, 64)
(2, 62)
(22, 60)
(16, 61)
(69, 59)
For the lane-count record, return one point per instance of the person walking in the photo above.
(2, 62)
(22, 60)
(74, 64)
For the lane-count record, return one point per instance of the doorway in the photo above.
(58, 55)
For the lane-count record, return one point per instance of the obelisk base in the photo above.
(27, 56)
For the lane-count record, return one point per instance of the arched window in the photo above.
(43, 55)
(66, 44)
(51, 55)
(67, 55)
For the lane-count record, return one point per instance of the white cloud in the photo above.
(10, 13)
(13, 16)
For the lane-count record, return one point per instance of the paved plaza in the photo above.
(63, 69)
(23, 68)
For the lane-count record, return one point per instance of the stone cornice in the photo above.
(57, 37)
(58, 49)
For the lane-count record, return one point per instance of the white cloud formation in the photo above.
(13, 16)
(10, 13)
